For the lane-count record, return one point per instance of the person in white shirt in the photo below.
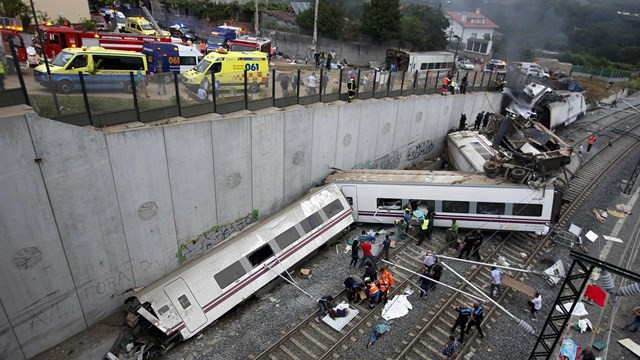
(535, 305)
(312, 83)
(429, 261)
(496, 280)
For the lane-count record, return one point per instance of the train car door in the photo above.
(186, 305)
(351, 193)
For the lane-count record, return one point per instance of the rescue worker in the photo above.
(352, 87)
(384, 272)
(464, 312)
(463, 122)
(353, 284)
(425, 282)
(592, 140)
(383, 285)
(366, 253)
(476, 319)
(478, 122)
(373, 291)
(468, 245)
(485, 121)
(1, 75)
(463, 85)
(445, 86)
(429, 260)
(436, 270)
(452, 86)
(324, 306)
(477, 244)
(431, 224)
(452, 234)
(424, 228)
(500, 84)
(386, 246)
(401, 227)
(370, 272)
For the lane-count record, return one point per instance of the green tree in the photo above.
(331, 19)
(381, 19)
(16, 9)
(423, 27)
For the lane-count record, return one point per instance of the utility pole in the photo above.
(314, 42)
(255, 22)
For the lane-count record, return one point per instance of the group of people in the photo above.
(481, 121)
(431, 274)
(452, 86)
(323, 59)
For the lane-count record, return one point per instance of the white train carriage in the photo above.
(193, 296)
(474, 200)
(468, 151)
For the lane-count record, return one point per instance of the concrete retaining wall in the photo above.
(87, 215)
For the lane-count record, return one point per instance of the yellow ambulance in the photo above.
(140, 25)
(229, 68)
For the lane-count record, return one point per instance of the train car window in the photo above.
(460, 207)
(488, 208)
(163, 310)
(227, 276)
(350, 201)
(333, 209)
(287, 238)
(389, 204)
(421, 204)
(261, 255)
(311, 222)
(527, 209)
(184, 302)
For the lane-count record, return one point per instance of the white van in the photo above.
(524, 66)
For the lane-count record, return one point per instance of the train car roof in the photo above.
(416, 177)
(245, 234)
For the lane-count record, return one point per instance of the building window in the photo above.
(527, 209)
(460, 207)
(184, 302)
(483, 48)
(469, 45)
(261, 255)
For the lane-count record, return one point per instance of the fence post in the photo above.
(475, 76)
(358, 86)
(213, 91)
(435, 89)
(340, 85)
(389, 83)
(298, 89)
(321, 73)
(16, 63)
(177, 89)
(482, 79)
(134, 91)
(415, 81)
(273, 87)
(85, 98)
(426, 80)
(489, 81)
(246, 95)
(375, 75)
(402, 82)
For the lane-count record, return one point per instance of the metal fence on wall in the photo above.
(83, 100)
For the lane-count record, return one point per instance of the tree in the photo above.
(423, 27)
(16, 9)
(330, 19)
(381, 19)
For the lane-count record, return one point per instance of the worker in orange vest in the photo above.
(385, 281)
(592, 140)
(445, 85)
(374, 292)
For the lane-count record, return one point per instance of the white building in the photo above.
(474, 29)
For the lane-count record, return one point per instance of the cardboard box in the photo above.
(305, 273)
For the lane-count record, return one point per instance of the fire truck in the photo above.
(10, 29)
(59, 37)
(250, 43)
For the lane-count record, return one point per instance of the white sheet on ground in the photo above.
(341, 322)
(578, 311)
(584, 324)
(397, 307)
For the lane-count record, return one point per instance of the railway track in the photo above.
(310, 340)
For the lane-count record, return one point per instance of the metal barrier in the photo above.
(106, 100)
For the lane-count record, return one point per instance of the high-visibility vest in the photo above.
(388, 277)
(373, 289)
(1, 68)
(425, 224)
(351, 85)
(383, 284)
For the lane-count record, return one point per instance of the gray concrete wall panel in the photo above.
(386, 127)
(267, 152)
(9, 347)
(139, 164)
(298, 143)
(76, 168)
(368, 131)
(190, 157)
(404, 122)
(347, 140)
(323, 155)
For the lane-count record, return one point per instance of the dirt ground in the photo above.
(596, 89)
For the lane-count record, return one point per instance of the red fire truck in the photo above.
(250, 43)
(10, 29)
(59, 37)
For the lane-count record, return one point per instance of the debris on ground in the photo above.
(624, 208)
(617, 214)
(598, 216)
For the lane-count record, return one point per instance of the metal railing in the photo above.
(99, 100)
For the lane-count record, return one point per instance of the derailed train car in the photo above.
(183, 303)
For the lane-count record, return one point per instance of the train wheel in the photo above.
(518, 174)
(491, 168)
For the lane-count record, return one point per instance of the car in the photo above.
(537, 73)
(101, 24)
(183, 32)
(466, 65)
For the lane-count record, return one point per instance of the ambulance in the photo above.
(102, 69)
(166, 58)
(229, 68)
(141, 26)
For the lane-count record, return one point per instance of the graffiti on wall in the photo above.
(193, 248)
(420, 149)
(389, 161)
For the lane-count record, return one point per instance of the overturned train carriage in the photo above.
(186, 301)
(475, 201)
